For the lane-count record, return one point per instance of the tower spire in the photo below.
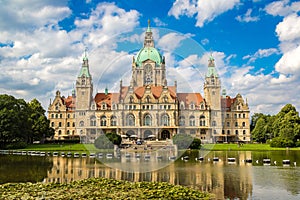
(149, 28)
(148, 42)
(85, 57)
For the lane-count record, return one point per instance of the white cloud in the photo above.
(289, 63)
(206, 10)
(19, 15)
(171, 41)
(205, 41)
(282, 8)
(41, 57)
(158, 22)
(261, 53)
(288, 29)
(247, 17)
(183, 7)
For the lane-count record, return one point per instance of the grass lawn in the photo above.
(212, 147)
(56, 147)
(64, 147)
(244, 147)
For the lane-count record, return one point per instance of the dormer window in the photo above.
(165, 99)
(103, 106)
(182, 105)
(131, 99)
(83, 81)
(148, 99)
(192, 106)
(202, 107)
(57, 106)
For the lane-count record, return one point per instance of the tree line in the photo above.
(22, 122)
(280, 130)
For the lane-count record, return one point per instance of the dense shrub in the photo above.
(281, 142)
(185, 141)
(107, 141)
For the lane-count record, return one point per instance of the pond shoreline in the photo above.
(205, 147)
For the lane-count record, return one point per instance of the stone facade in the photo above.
(149, 107)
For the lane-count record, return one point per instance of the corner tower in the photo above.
(212, 93)
(84, 86)
(148, 68)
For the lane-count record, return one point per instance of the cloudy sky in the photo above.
(255, 43)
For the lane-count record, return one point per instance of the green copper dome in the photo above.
(148, 53)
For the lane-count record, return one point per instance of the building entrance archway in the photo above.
(165, 134)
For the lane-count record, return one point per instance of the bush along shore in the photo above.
(99, 188)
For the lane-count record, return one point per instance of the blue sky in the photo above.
(255, 43)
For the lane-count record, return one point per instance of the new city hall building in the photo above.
(149, 107)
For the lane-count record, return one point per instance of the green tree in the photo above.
(14, 124)
(255, 117)
(40, 125)
(287, 123)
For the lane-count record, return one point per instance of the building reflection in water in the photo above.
(225, 180)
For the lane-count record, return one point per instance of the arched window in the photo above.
(52, 124)
(181, 121)
(60, 116)
(59, 132)
(56, 116)
(244, 124)
(228, 132)
(192, 120)
(165, 120)
(202, 107)
(93, 121)
(113, 120)
(68, 132)
(59, 124)
(202, 120)
(103, 121)
(81, 123)
(236, 124)
(236, 132)
(68, 124)
(130, 120)
(73, 124)
(244, 132)
(68, 115)
(147, 120)
(52, 115)
(214, 123)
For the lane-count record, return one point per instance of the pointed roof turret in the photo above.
(84, 71)
(211, 71)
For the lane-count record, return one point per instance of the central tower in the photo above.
(149, 66)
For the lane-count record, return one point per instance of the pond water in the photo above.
(227, 180)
